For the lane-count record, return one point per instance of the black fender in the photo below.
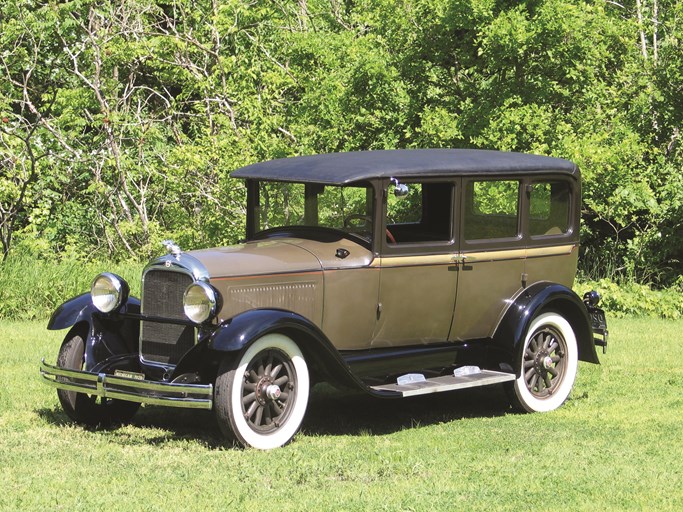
(73, 311)
(534, 300)
(320, 354)
(106, 335)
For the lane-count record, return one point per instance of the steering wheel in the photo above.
(368, 222)
(357, 216)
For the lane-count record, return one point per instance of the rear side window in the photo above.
(549, 208)
(491, 209)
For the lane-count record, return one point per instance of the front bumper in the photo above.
(191, 396)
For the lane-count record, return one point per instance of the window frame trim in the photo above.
(523, 238)
(419, 248)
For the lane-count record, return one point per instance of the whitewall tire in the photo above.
(548, 365)
(261, 395)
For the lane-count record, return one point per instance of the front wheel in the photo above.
(548, 365)
(88, 409)
(261, 396)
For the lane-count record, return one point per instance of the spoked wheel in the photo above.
(548, 365)
(88, 409)
(261, 396)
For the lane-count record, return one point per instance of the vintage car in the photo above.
(398, 273)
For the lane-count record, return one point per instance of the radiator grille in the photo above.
(162, 296)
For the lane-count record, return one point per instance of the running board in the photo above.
(446, 383)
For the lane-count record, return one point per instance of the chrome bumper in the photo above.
(192, 396)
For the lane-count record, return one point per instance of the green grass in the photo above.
(616, 445)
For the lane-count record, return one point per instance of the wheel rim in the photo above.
(545, 362)
(268, 391)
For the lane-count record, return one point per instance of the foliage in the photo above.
(494, 197)
(287, 204)
(624, 300)
(33, 289)
(120, 122)
(621, 428)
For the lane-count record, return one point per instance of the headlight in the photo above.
(108, 292)
(200, 302)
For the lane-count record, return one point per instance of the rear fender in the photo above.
(538, 298)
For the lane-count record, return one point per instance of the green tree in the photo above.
(121, 121)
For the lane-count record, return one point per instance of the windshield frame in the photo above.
(310, 228)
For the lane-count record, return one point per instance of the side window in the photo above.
(491, 209)
(424, 215)
(549, 208)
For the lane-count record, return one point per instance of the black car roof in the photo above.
(344, 168)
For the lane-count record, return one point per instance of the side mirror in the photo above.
(400, 190)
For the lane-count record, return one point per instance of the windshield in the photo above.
(297, 205)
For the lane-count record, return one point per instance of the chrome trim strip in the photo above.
(191, 396)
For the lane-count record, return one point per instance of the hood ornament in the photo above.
(172, 248)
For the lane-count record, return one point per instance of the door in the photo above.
(492, 255)
(417, 273)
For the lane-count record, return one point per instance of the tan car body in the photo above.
(306, 278)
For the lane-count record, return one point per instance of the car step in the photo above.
(446, 383)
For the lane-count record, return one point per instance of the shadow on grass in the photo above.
(152, 426)
(330, 412)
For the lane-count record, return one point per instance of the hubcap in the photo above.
(273, 392)
(268, 391)
(544, 362)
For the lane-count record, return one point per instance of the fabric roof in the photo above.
(344, 168)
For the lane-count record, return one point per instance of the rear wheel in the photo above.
(548, 365)
(261, 396)
(88, 409)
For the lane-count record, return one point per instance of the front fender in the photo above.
(105, 335)
(544, 296)
(81, 309)
(320, 354)
(239, 331)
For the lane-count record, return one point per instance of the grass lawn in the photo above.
(617, 444)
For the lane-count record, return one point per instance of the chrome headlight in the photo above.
(108, 292)
(200, 302)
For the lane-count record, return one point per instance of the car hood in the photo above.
(280, 256)
(255, 258)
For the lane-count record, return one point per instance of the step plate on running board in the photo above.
(447, 383)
